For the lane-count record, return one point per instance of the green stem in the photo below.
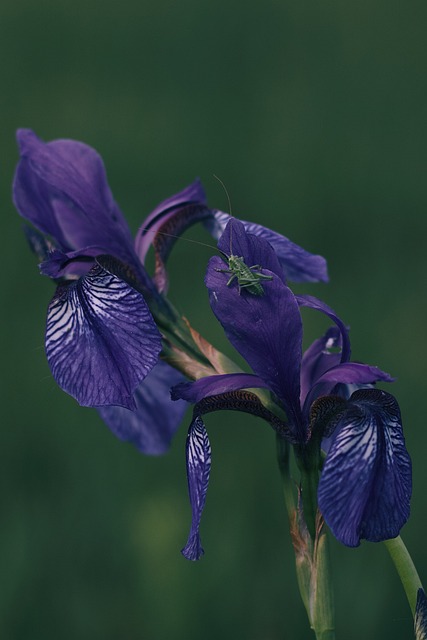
(283, 458)
(323, 606)
(310, 547)
(308, 461)
(309, 485)
(405, 568)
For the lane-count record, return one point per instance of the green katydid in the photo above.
(248, 278)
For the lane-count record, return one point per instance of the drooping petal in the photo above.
(420, 619)
(225, 399)
(101, 340)
(319, 305)
(198, 455)
(168, 221)
(152, 425)
(214, 385)
(61, 187)
(298, 264)
(266, 330)
(365, 486)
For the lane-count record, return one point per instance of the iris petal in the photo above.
(101, 340)
(298, 264)
(215, 385)
(319, 305)
(68, 265)
(355, 373)
(194, 194)
(266, 330)
(156, 418)
(166, 223)
(351, 374)
(318, 358)
(365, 486)
(61, 187)
(198, 453)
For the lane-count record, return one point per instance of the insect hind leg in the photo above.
(264, 277)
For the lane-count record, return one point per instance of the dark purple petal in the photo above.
(156, 418)
(355, 373)
(168, 221)
(365, 486)
(194, 194)
(101, 340)
(69, 265)
(318, 358)
(198, 454)
(266, 330)
(298, 264)
(319, 305)
(61, 187)
(255, 251)
(420, 619)
(214, 385)
(348, 374)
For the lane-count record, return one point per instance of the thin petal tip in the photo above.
(193, 550)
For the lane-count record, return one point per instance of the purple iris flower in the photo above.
(365, 485)
(102, 341)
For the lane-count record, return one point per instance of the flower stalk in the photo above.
(311, 548)
(405, 568)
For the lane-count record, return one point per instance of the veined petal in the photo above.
(168, 221)
(198, 454)
(365, 486)
(61, 187)
(265, 329)
(420, 620)
(214, 385)
(156, 418)
(298, 264)
(101, 340)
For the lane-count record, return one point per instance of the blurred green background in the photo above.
(314, 116)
